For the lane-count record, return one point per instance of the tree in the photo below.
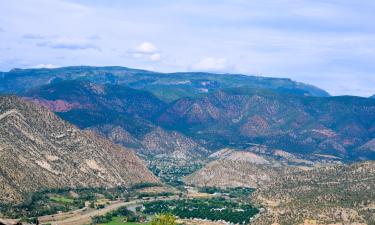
(92, 205)
(164, 219)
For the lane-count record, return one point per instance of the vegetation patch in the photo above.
(237, 192)
(119, 216)
(52, 201)
(61, 199)
(171, 172)
(145, 185)
(121, 221)
(212, 209)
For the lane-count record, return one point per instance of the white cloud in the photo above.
(306, 40)
(47, 66)
(69, 43)
(146, 51)
(33, 36)
(146, 47)
(211, 64)
(155, 57)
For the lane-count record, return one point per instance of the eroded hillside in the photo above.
(39, 150)
(342, 194)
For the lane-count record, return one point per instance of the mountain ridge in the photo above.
(122, 114)
(330, 125)
(166, 86)
(340, 126)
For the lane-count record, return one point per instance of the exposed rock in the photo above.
(341, 194)
(39, 150)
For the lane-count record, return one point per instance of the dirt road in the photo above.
(84, 217)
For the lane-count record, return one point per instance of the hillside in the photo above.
(39, 150)
(166, 86)
(234, 168)
(123, 115)
(342, 127)
(341, 194)
(238, 118)
(232, 173)
(293, 190)
(156, 143)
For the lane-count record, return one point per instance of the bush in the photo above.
(164, 219)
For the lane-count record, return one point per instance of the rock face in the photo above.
(39, 150)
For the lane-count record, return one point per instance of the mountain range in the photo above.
(301, 149)
(234, 117)
(123, 115)
(340, 126)
(166, 86)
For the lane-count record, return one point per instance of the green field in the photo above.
(119, 221)
(61, 199)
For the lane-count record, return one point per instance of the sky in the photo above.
(327, 43)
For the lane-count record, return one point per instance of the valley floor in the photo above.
(83, 217)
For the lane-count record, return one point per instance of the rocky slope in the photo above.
(156, 143)
(232, 173)
(307, 125)
(341, 194)
(293, 190)
(234, 168)
(39, 150)
(342, 127)
(123, 115)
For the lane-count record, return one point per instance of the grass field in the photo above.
(118, 221)
(61, 199)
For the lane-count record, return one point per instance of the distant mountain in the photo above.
(236, 117)
(166, 86)
(242, 117)
(122, 114)
(372, 96)
(86, 104)
(39, 150)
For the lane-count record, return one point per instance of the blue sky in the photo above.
(328, 43)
